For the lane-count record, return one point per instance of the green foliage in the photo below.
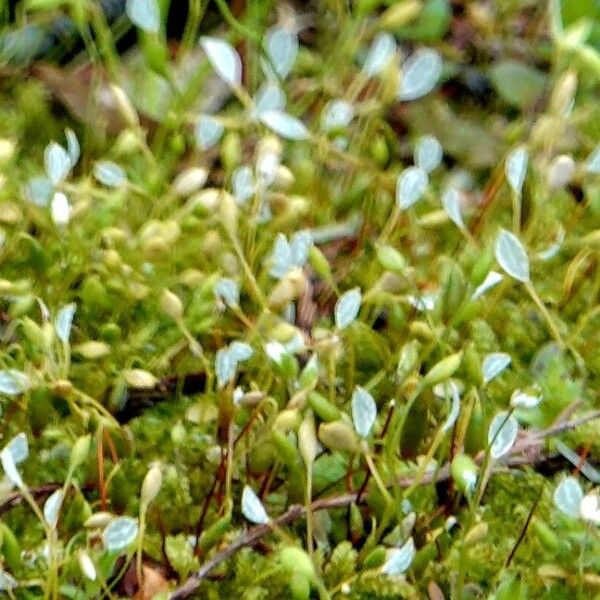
(264, 288)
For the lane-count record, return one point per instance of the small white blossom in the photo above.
(589, 509)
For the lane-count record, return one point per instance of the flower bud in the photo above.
(60, 210)
(92, 350)
(125, 106)
(190, 181)
(86, 565)
(464, 473)
(151, 485)
(442, 370)
(338, 435)
(307, 440)
(98, 520)
(80, 451)
(563, 94)
(400, 14)
(287, 420)
(288, 289)
(325, 410)
(139, 379)
(171, 305)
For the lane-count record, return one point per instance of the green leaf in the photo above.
(518, 84)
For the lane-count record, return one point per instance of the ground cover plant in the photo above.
(299, 300)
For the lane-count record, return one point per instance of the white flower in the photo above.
(60, 209)
(524, 399)
(589, 509)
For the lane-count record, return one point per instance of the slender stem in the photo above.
(375, 473)
(309, 515)
(546, 314)
(235, 24)
(516, 203)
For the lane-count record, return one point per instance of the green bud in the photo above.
(421, 330)
(287, 420)
(453, 291)
(408, 360)
(442, 370)
(399, 14)
(92, 350)
(324, 409)
(482, 267)
(125, 107)
(338, 435)
(171, 305)
(307, 440)
(320, 264)
(286, 449)
(390, 259)
(464, 473)
(80, 451)
(231, 151)
(379, 150)
(151, 485)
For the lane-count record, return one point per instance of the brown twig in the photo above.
(526, 452)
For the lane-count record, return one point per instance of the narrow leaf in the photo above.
(144, 14)
(13, 382)
(516, 169)
(224, 59)
(364, 411)
(285, 125)
(420, 74)
(511, 256)
(451, 204)
(347, 307)
(56, 162)
(493, 364)
(382, 50)
(64, 321)
(399, 559)
(281, 46)
(208, 132)
(568, 496)
(252, 507)
(410, 186)
(119, 533)
(502, 434)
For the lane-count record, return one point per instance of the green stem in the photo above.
(375, 473)
(516, 204)
(235, 24)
